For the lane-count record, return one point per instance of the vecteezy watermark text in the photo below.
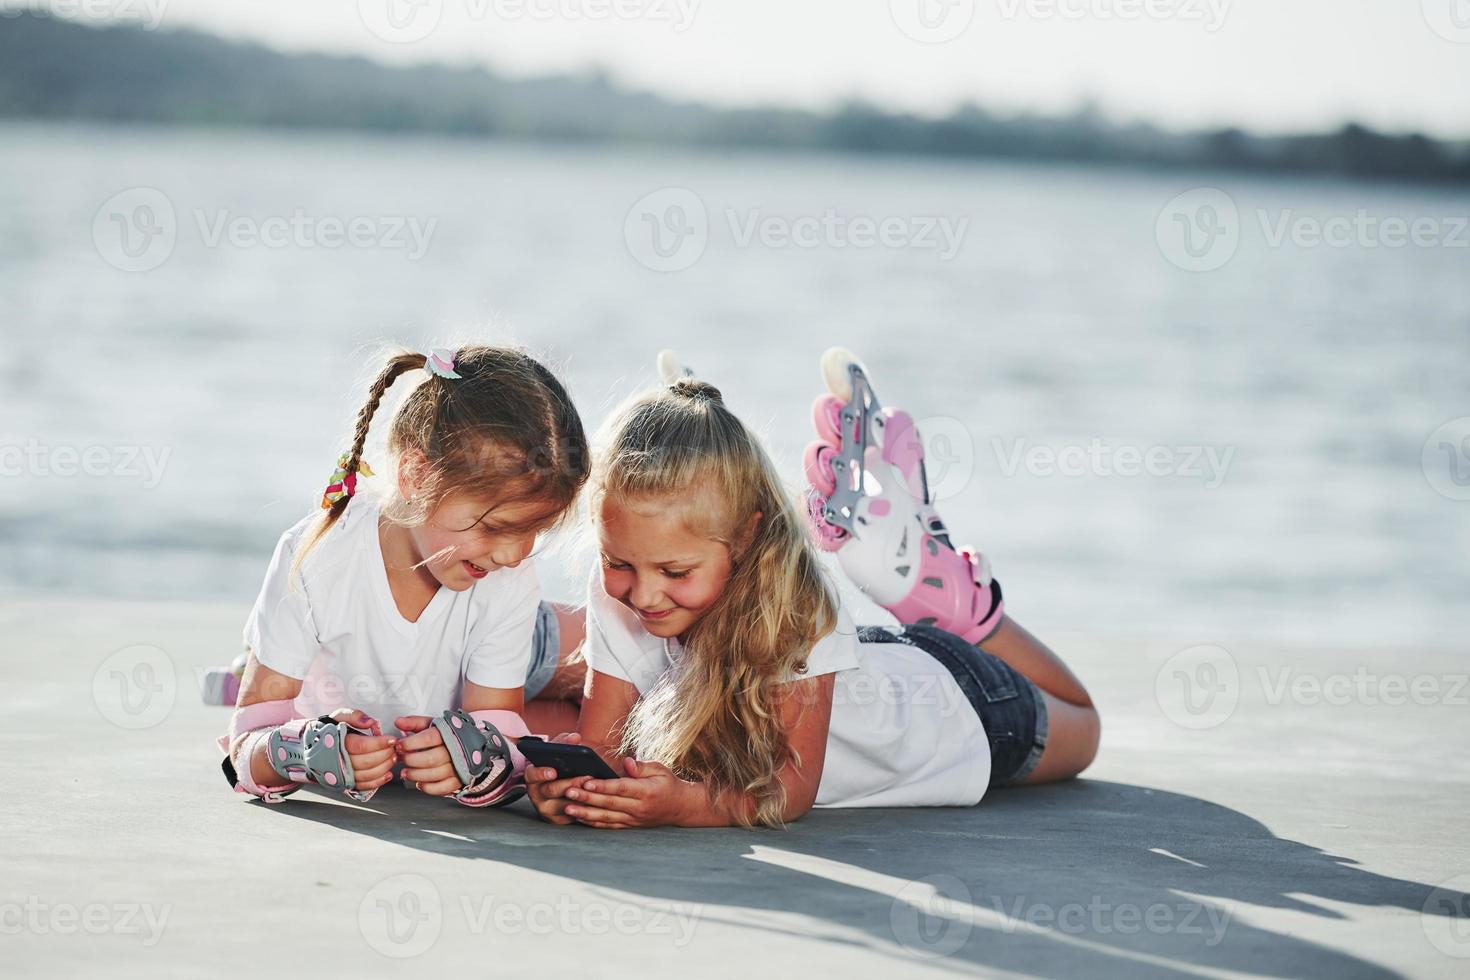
(936, 915)
(669, 229)
(408, 21)
(136, 230)
(1209, 464)
(1363, 686)
(832, 229)
(146, 13)
(302, 230)
(95, 918)
(1363, 229)
(403, 916)
(1202, 229)
(1210, 13)
(37, 459)
(1100, 917)
(1200, 687)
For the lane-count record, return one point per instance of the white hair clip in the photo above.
(440, 363)
(671, 369)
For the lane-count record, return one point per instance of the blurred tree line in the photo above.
(58, 69)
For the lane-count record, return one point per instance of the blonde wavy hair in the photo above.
(716, 718)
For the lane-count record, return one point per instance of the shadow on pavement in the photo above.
(1084, 878)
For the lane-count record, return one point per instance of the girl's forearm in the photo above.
(261, 769)
(727, 811)
(705, 811)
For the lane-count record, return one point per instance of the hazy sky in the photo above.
(1270, 64)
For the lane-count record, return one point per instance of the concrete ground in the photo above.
(1294, 813)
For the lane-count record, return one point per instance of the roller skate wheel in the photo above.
(835, 364)
(827, 537)
(818, 464)
(827, 418)
(671, 369)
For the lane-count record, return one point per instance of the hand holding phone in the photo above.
(568, 760)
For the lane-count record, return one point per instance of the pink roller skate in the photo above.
(221, 685)
(870, 503)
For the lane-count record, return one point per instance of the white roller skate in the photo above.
(870, 503)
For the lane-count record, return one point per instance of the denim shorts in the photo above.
(545, 648)
(1010, 707)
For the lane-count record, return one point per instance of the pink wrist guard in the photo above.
(247, 726)
(485, 760)
(314, 750)
(301, 750)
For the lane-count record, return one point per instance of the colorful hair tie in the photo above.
(344, 484)
(440, 363)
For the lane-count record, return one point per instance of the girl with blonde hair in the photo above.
(726, 682)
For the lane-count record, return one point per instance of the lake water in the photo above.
(1283, 401)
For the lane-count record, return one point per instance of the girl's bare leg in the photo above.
(1013, 644)
(1073, 726)
(1072, 737)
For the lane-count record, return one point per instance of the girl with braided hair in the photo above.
(407, 627)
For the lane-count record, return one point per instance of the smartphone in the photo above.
(567, 760)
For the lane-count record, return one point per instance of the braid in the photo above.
(397, 365)
(491, 422)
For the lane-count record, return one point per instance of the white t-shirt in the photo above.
(902, 732)
(336, 627)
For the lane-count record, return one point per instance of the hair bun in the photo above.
(696, 389)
